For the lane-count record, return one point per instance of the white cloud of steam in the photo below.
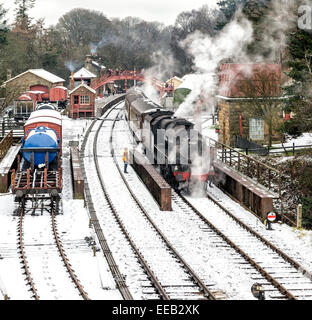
(71, 65)
(208, 53)
(230, 46)
(281, 17)
(163, 68)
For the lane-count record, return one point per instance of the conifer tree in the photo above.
(22, 19)
(3, 25)
(299, 90)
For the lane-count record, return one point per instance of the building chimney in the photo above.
(88, 61)
(72, 81)
(9, 74)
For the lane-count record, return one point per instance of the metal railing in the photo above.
(260, 173)
(281, 150)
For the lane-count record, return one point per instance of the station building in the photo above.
(32, 80)
(82, 75)
(82, 102)
(243, 85)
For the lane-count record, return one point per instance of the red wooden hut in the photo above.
(82, 101)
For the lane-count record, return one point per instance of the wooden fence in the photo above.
(5, 144)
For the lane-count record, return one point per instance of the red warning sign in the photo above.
(271, 216)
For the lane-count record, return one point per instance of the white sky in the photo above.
(164, 11)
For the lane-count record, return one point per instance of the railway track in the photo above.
(23, 211)
(23, 255)
(162, 284)
(277, 271)
(279, 281)
(117, 275)
(276, 274)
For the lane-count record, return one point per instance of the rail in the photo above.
(252, 262)
(5, 144)
(64, 258)
(23, 256)
(190, 271)
(118, 277)
(144, 264)
(3, 291)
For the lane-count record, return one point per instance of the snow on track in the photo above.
(46, 266)
(295, 282)
(10, 267)
(126, 259)
(295, 243)
(74, 232)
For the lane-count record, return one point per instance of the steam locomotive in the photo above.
(171, 143)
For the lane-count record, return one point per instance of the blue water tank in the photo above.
(40, 137)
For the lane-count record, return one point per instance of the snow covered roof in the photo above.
(83, 85)
(24, 97)
(98, 65)
(174, 78)
(36, 92)
(41, 73)
(44, 119)
(60, 87)
(45, 113)
(190, 81)
(83, 73)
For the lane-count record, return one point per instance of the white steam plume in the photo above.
(230, 45)
(208, 53)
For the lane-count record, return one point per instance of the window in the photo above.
(84, 99)
(256, 129)
(76, 99)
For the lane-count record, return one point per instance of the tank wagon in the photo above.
(39, 169)
(171, 143)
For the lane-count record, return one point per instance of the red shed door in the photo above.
(39, 87)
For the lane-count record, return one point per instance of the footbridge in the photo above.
(112, 76)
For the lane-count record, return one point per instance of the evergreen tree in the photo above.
(228, 8)
(3, 25)
(22, 19)
(299, 90)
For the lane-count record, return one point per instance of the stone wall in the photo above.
(229, 112)
(24, 82)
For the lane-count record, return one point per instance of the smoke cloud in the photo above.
(231, 45)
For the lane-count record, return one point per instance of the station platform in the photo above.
(5, 167)
(248, 192)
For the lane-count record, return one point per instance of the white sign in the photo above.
(305, 17)
(271, 216)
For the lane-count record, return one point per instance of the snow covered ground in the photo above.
(305, 139)
(198, 247)
(50, 276)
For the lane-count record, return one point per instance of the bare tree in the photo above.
(263, 97)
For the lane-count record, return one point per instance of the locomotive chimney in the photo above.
(72, 81)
